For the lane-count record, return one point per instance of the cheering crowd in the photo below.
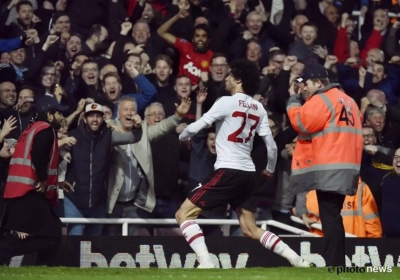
(112, 66)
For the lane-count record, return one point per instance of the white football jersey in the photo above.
(237, 118)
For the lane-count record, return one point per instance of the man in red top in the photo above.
(195, 56)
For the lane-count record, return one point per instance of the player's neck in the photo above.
(237, 89)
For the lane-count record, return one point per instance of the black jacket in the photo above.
(89, 167)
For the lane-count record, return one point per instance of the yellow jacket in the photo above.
(359, 212)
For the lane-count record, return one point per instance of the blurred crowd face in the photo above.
(253, 52)
(354, 50)
(375, 55)
(5, 58)
(277, 62)
(254, 23)
(182, 86)
(62, 24)
(108, 114)
(297, 69)
(379, 73)
(141, 33)
(219, 69)
(112, 88)
(74, 46)
(376, 121)
(94, 120)
(332, 14)
(298, 21)
(56, 120)
(200, 40)
(27, 95)
(126, 111)
(349, 27)
(109, 68)
(308, 35)
(25, 14)
(211, 143)
(8, 95)
(239, 7)
(90, 74)
(135, 60)
(310, 88)
(162, 71)
(396, 162)
(369, 136)
(48, 76)
(148, 13)
(230, 83)
(17, 57)
(274, 128)
(381, 17)
(155, 114)
(61, 5)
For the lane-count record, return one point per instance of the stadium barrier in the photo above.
(226, 252)
(221, 222)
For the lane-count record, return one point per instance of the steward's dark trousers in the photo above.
(46, 247)
(330, 206)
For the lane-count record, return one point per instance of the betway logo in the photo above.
(145, 258)
(360, 258)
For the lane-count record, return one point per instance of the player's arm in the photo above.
(310, 117)
(163, 29)
(216, 112)
(265, 133)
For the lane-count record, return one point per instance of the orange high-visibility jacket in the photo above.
(359, 213)
(332, 121)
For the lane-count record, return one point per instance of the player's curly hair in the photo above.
(248, 73)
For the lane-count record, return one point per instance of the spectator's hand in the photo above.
(330, 60)
(58, 92)
(351, 61)
(81, 106)
(137, 121)
(364, 104)
(292, 90)
(322, 52)
(21, 235)
(374, 102)
(21, 102)
(204, 77)
(184, 7)
(8, 126)
(289, 62)
(47, 5)
(396, 25)
(67, 187)
(33, 34)
(75, 69)
(69, 141)
(144, 57)
(65, 38)
(362, 72)
(180, 128)
(269, 70)
(137, 50)
(267, 173)
(12, 4)
(36, 19)
(67, 157)
(201, 95)
(289, 149)
(247, 35)
(184, 107)
(59, 65)
(40, 186)
(132, 71)
(363, 11)
(258, 97)
(51, 39)
(345, 17)
(371, 149)
(308, 221)
(112, 125)
(395, 60)
(126, 27)
(261, 10)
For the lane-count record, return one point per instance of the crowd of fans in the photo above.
(134, 58)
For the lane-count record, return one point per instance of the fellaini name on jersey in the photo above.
(251, 106)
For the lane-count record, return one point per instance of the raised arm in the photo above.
(163, 30)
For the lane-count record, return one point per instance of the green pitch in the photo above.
(42, 273)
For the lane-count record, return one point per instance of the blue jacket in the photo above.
(8, 45)
(144, 98)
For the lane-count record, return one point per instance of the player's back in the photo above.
(235, 132)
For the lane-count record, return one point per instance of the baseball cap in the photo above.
(313, 71)
(46, 103)
(94, 107)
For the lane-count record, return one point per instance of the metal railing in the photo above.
(220, 222)
(317, 226)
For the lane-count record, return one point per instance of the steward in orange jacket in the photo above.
(329, 158)
(359, 212)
